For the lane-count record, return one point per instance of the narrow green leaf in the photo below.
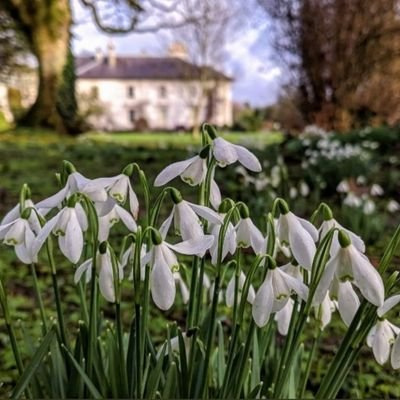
(221, 367)
(155, 375)
(89, 384)
(255, 367)
(30, 370)
(170, 387)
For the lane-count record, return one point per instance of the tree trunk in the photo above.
(46, 25)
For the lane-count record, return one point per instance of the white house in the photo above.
(154, 92)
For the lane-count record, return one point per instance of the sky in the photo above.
(249, 57)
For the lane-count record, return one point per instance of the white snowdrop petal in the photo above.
(133, 202)
(247, 159)
(23, 254)
(388, 305)
(206, 213)
(104, 228)
(230, 292)
(126, 218)
(325, 312)
(326, 279)
(348, 302)
(215, 195)
(283, 317)
(224, 152)
(99, 184)
(263, 302)
(172, 171)
(309, 227)
(85, 267)
(381, 343)
(43, 234)
(106, 278)
(370, 336)
(294, 284)
(395, 356)
(367, 278)
(193, 246)
(71, 244)
(51, 202)
(11, 215)
(164, 228)
(82, 218)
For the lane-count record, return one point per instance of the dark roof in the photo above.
(143, 68)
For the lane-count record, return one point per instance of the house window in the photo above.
(132, 115)
(94, 92)
(163, 92)
(164, 114)
(131, 92)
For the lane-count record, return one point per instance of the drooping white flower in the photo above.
(376, 190)
(19, 234)
(293, 192)
(182, 286)
(283, 316)
(163, 261)
(274, 293)
(301, 236)
(380, 338)
(116, 214)
(247, 234)
(304, 189)
(369, 207)
(226, 153)
(68, 225)
(393, 206)
(128, 257)
(185, 216)
(347, 301)
(348, 264)
(331, 223)
(343, 187)
(118, 188)
(352, 200)
(324, 311)
(229, 242)
(106, 274)
(192, 171)
(231, 288)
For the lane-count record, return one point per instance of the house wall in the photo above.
(163, 104)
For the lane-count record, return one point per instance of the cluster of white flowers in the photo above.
(204, 231)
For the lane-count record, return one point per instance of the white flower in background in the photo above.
(293, 192)
(275, 176)
(19, 233)
(247, 179)
(361, 180)
(231, 288)
(376, 190)
(301, 236)
(182, 286)
(369, 207)
(348, 264)
(128, 256)
(68, 225)
(324, 311)
(352, 200)
(226, 153)
(393, 206)
(247, 234)
(304, 189)
(331, 223)
(343, 187)
(106, 274)
(116, 214)
(185, 216)
(192, 171)
(163, 261)
(283, 317)
(118, 188)
(274, 293)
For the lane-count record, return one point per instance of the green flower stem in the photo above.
(39, 298)
(192, 294)
(57, 298)
(236, 295)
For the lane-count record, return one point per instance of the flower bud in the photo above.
(210, 130)
(244, 211)
(283, 206)
(72, 200)
(103, 247)
(156, 237)
(326, 212)
(128, 170)
(26, 213)
(344, 239)
(175, 196)
(225, 206)
(68, 167)
(271, 263)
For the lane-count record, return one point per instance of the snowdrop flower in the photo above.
(330, 223)
(226, 153)
(369, 207)
(192, 171)
(128, 256)
(304, 189)
(106, 273)
(185, 216)
(229, 242)
(69, 225)
(116, 214)
(343, 187)
(393, 206)
(292, 192)
(361, 180)
(348, 264)
(380, 338)
(182, 286)
(118, 188)
(163, 261)
(376, 190)
(274, 293)
(247, 234)
(324, 311)
(19, 234)
(283, 317)
(231, 288)
(352, 200)
(300, 234)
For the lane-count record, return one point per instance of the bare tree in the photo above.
(338, 50)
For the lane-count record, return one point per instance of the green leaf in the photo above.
(89, 384)
(170, 387)
(154, 378)
(221, 367)
(30, 370)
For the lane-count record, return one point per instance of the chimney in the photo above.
(178, 50)
(98, 55)
(112, 58)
